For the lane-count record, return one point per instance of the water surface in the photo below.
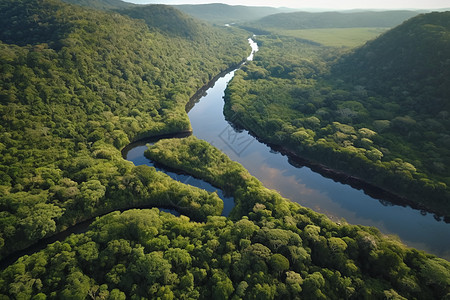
(310, 189)
(135, 154)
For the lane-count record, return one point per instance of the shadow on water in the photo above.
(338, 195)
(78, 228)
(312, 185)
(386, 198)
(135, 153)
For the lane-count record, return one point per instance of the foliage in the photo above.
(101, 4)
(169, 21)
(192, 155)
(308, 20)
(278, 249)
(76, 86)
(220, 14)
(378, 113)
(411, 62)
(334, 37)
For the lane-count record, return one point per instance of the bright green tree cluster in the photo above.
(76, 86)
(277, 249)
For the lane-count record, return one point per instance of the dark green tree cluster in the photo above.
(101, 4)
(378, 113)
(332, 19)
(198, 158)
(277, 249)
(76, 86)
(220, 13)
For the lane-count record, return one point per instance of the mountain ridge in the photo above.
(101, 4)
(220, 13)
(412, 55)
(308, 20)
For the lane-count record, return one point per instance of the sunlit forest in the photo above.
(80, 80)
(379, 112)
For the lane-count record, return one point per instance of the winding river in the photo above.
(302, 185)
(290, 178)
(135, 153)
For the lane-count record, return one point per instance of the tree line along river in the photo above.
(291, 179)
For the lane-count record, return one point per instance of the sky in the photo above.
(322, 4)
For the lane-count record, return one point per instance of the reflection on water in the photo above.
(311, 189)
(135, 154)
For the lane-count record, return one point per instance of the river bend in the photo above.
(300, 184)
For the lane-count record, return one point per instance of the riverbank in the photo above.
(332, 197)
(385, 196)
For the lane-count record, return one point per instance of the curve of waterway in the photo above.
(291, 178)
(135, 153)
(300, 184)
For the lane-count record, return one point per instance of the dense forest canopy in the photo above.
(219, 13)
(308, 20)
(79, 84)
(378, 112)
(270, 248)
(101, 4)
(169, 21)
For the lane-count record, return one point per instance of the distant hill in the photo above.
(306, 20)
(413, 57)
(221, 13)
(396, 86)
(101, 4)
(167, 19)
(164, 18)
(90, 79)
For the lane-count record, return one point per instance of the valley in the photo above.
(75, 99)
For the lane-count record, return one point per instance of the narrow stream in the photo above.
(135, 153)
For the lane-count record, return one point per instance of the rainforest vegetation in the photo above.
(308, 20)
(379, 112)
(269, 248)
(78, 84)
(220, 14)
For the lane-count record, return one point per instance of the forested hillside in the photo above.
(221, 14)
(77, 85)
(306, 20)
(270, 249)
(170, 21)
(379, 113)
(413, 60)
(101, 4)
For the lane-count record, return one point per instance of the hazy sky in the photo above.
(328, 4)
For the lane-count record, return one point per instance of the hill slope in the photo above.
(412, 57)
(380, 113)
(306, 20)
(101, 4)
(76, 86)
(168, 20)
(222, 13)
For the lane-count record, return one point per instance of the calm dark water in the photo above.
(302, 185)
(135, 154)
